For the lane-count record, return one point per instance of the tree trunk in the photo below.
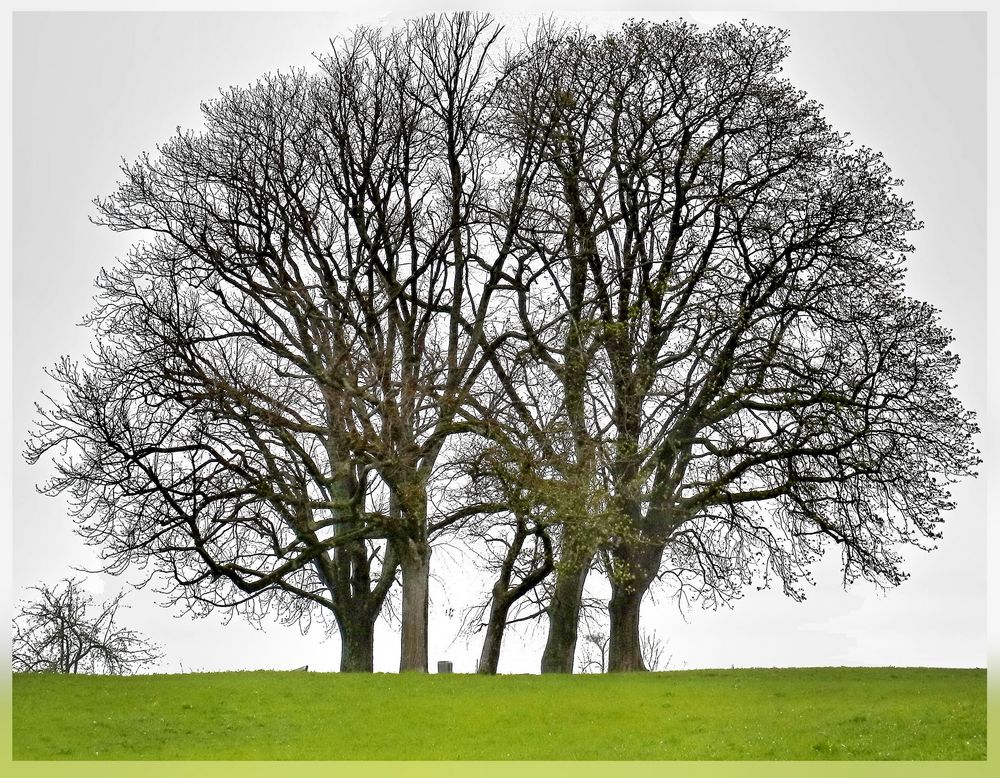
(489, 659)
(564, 616)
(641, 563)
(415, 563)
(356, 605)
(357, 644)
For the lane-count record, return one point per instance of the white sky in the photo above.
(89, 89)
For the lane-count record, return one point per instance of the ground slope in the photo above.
(798, 713)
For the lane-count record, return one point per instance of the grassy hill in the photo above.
(807, 713)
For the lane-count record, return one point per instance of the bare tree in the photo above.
(595, 652)
(755, 382)
(652, 648)
(544, 364)
(204, 434)
(426, 261)
(279, 366)
(64, 630)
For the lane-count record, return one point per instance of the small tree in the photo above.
(652, 648)
(66, 631)
(595, 652)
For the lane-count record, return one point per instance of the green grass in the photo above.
(809, 713)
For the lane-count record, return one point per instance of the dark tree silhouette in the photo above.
(407, 160)
(202, 435)
(542, 362)
(64, 630)
(757, 381)
(279, 366)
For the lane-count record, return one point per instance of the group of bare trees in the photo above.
(621, 303)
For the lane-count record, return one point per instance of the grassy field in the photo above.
(820, 713)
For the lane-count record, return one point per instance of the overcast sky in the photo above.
(89, 89)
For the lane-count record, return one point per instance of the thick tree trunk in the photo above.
(625, 649)
(564, 617)
(415, 563)
(357, 644)
(356, 604)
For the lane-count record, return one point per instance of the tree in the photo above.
(209, 442)
(595, 653)
(544, 364)
(652, 652)
(64, 630)
(421, 268)
(757, 382)
(594, 657)
(280, 364)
